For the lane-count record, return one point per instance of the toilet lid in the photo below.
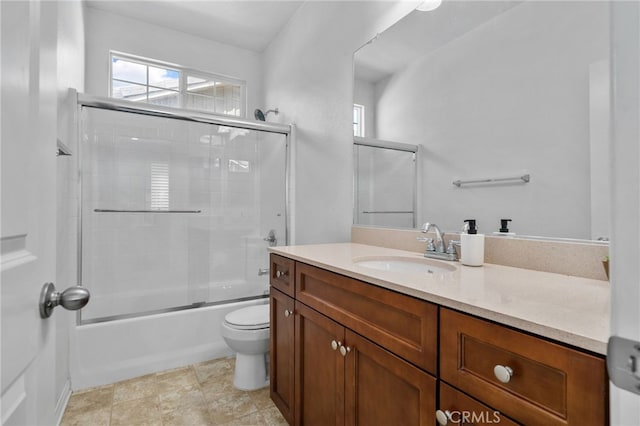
(249, 318)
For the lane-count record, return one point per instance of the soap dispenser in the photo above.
(504, 229)
(471, 245)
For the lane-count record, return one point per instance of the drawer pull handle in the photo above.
(335, 345)
(280, 274)
(287, 313)
(344, 350)
(443, 417)
(503, 373)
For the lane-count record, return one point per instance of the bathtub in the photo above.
(107, 352)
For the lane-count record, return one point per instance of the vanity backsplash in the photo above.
(579, 259)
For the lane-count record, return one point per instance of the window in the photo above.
(358, 120)
(159, 186)
(140, 80)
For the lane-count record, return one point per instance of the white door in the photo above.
(28, 197)
(625, 191)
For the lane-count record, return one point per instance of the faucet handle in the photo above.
(429, 241)
(451, 246)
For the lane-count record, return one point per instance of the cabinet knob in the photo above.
(344, 350)
(280, 274)
(287, 313)
(443, 417)
(335, 345)
(503, 373)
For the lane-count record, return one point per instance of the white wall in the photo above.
(491, 105)
(309, 77)
(109, 31)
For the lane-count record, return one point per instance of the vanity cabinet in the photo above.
(455, 407)
(281, 345)
(350, 348)
(357, 353)
(282, 274)
(527, 378)
(344, 379)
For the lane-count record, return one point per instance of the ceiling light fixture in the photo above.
(429, 5)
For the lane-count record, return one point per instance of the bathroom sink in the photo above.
(404, 264)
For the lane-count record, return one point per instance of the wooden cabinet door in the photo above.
(281, 371)
(382, 389)
(319, 369)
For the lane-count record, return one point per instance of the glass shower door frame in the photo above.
(83, 100)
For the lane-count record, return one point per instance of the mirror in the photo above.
(385, 183)
(494, 91)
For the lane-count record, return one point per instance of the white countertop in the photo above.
(568, 309)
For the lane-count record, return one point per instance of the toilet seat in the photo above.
(250, 318)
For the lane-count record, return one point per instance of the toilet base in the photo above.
(250, 372)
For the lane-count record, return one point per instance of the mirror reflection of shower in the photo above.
(261, 116)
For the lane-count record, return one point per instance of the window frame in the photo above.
(183, 74)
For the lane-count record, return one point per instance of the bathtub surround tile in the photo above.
(200, 394)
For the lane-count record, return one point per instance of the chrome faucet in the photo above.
(437, 250)
(439, 235)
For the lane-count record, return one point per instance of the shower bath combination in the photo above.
(260, 116)
(174, 214)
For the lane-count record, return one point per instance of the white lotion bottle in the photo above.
(471, 245)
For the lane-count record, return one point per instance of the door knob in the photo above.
(73, 298)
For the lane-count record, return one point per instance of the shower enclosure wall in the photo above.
(177, 212)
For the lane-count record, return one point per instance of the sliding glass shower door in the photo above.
(175, 213)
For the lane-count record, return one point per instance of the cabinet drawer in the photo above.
(403, 325)
(547, 384)
(282, 273)
(464, 410)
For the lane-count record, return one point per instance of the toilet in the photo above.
(246, 331)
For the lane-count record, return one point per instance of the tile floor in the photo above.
(200, 394)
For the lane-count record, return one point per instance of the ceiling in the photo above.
(420, 33)
(249, 24)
